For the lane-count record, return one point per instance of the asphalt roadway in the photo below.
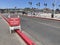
(42, 31)
(45, 32)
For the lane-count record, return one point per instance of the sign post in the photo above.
(14, 24)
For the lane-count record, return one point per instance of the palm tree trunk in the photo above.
(53, 11)
(54, 7)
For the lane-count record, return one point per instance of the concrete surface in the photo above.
(6, 38)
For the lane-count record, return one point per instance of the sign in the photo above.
(14, 21)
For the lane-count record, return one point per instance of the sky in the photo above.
(24, 3)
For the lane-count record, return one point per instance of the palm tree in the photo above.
(30, 3)
(59, 6)
(38, 4)
(53, 4)
(45, 4)
(53, 11)
(15, 9)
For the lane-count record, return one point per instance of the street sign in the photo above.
(14, 21)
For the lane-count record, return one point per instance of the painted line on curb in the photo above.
(25, 38)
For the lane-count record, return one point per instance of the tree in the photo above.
(15, 9)
(59, 6)
(38, 4)
(57, 10)
(53, 12)
(30, 3)
(45, 4)
(53, 4)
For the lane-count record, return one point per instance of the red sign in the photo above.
(14, 21)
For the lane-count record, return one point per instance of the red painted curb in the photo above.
(25, 38)
(5, 18)
(22, 35)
